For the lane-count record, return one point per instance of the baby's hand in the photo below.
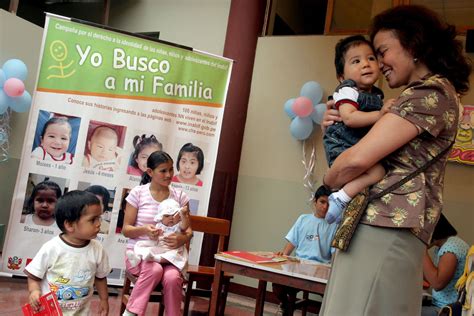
(386, 106)
(152, 232)
(34, 300)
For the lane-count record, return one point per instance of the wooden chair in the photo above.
(211, 226)
(156, 296)
(196, 273)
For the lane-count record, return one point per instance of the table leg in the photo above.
(216, 288)
(262, 289)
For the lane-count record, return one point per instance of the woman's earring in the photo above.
(415, 60)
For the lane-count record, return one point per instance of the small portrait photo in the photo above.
(123, 204)
(143, 146)
(55, 137)
(42, 193)
(106, 197)
(104, 144)
(189, 164)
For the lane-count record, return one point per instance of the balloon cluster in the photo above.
(12, 88)
(305, 109)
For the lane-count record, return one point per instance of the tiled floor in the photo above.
(13, 294)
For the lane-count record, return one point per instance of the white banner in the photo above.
(104, 101)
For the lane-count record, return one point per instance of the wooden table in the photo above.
(302, 275)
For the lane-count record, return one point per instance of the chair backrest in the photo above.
(213, 226)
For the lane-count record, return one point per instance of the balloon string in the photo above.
(4, 135)
(308, 164)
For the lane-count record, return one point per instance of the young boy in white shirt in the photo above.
(73, 262)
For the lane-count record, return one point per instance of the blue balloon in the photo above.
(301, 127)
(288, 109)
(318, 113)
(2, 78)
(313, 91)
(4, 101)
(15, 68)
(21, 103)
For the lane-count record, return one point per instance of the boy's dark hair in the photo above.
(190, 148)
(139, 142)
(56, 120)
(72, 205)
(154, 160)
(321, 191)
(443, 229)
(45, 185)
(103, 192)
(428, 39)
(343, 46)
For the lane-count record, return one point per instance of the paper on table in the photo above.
(255, 256)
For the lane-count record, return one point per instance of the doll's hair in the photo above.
(72, 205)
(143, 141)
(101, 191)
(190, 148)
(45, 185)
(154, 160)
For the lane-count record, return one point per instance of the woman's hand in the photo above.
(151, 231)
(330, 116)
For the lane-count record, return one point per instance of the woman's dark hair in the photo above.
(101, 191)
(321, 191)
(56, 120)
(72, 205)
(154, 160)
(45, 185)
(190, 148)
(343, 46)
(140, 142)
(443, 229)
(433, 42)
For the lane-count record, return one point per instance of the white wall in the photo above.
(200, 24)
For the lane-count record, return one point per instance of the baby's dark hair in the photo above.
(321, 191)
(190, 148)
(443, 229)
(72, 205)
(154, 160)
(103, 192)
(45, 185)
(140, 142)
(343, 46)
(56, 120)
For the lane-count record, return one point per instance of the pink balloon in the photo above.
(13, 87)
(302, 106)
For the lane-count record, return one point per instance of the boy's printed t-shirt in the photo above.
(312, 238)
(70, 272)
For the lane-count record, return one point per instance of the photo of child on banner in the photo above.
(103, 150)
(189, 164)
(42, 193)
(106, 197)
(143, 145)
(56, 137)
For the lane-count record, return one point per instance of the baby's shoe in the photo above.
(336, 207)
(133, 258)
